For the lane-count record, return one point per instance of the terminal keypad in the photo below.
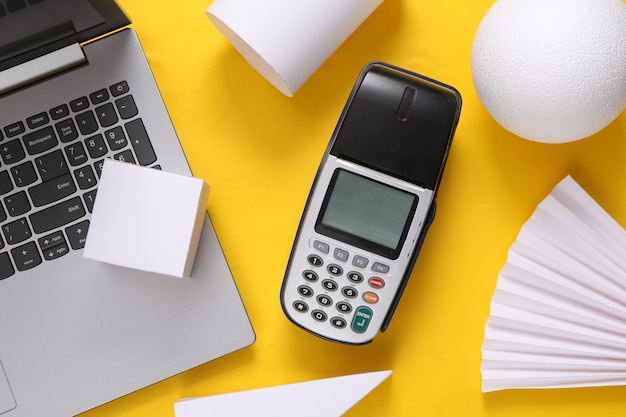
(340, 287)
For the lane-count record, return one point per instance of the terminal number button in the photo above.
(349, 292)
(319, 315)
(310, 276)
(355, 277)
(315, 260)
(344, 307)
(334, 269)
(305, 291)
(338, 322)
(324, 300)
(300, 306)
(330, 285)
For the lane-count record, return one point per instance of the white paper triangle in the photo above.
(323, 397)
(558, 314)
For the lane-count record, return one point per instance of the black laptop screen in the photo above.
(31, 28)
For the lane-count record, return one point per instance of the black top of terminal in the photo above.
(398, 123)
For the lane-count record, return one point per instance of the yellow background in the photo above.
(259, 151)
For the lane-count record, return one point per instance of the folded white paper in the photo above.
(330, 397)
(146, 219)
(286, 41)
(558, 314)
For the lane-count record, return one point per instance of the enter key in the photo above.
(362, 319)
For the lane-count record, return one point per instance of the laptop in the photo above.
(75, 333)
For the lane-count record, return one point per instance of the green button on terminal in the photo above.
(362, 319)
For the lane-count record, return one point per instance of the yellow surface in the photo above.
(259, 151)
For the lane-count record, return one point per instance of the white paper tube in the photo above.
(286, 41)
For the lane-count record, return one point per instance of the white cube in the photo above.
(146, 219)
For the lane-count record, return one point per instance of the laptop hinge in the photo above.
(41, 67)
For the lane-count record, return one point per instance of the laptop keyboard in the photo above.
(50, 164)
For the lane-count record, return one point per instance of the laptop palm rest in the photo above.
(7, 401)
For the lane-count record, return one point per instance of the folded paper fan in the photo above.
(558, 314)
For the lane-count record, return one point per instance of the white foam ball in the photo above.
(552, 70)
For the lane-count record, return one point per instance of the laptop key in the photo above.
(5, 182)
(51, 165)
(6, 266)
(52, 190)
(86, 122)
(37, 120)
(125, 156)
(85, 177)
(90, 199)
(97, 166)
(14, 129)
(127, 107)
(16, 232)
(40, 140)
(66, 129)
(26, 256)
(76, 154)
(12, 152)
(59, 112)
(58, 215)
(99, 96)
(96, 146)
(119, 88)
(17, 204)
(51, 240)
(116, 138)
(106, 115)
(79, 104)
(24, 174)
(77, 234)
(140, 141)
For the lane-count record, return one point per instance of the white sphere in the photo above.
(552, 70)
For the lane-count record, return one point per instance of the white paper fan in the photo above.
(558, 314)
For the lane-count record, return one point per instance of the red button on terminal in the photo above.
(376, 282)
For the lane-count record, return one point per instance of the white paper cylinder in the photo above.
(286, 41)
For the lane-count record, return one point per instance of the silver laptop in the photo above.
(76, 333)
